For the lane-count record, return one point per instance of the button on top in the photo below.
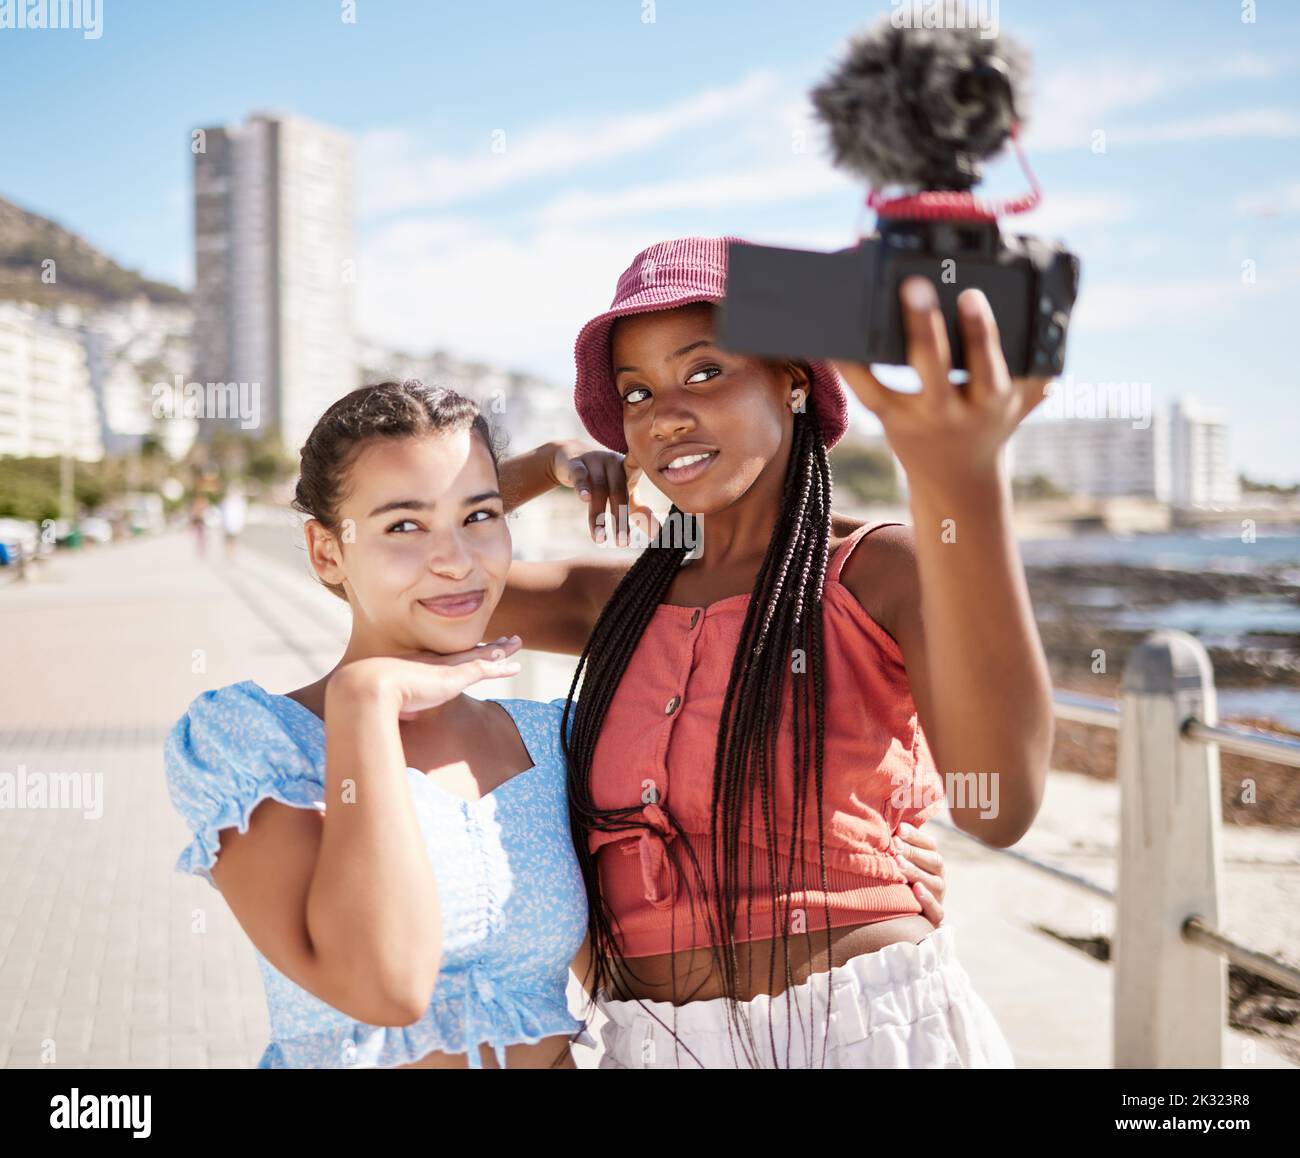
(695, 617)
(671, 706)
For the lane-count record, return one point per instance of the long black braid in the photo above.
(781, 634)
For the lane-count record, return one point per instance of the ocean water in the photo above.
(1221, 624)
(1280, 704)
(1214, 624)
(1180, 551)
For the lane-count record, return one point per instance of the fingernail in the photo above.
(585, 494)
(918, 293)
(600, 534)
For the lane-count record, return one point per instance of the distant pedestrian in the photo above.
(234, 510)
(199, 521)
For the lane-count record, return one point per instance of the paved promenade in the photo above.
(110, 958)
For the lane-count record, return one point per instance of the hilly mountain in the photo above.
(83, 274)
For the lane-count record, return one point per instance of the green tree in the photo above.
(866, 472)
(1036, 487)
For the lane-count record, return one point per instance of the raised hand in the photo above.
(605, 481)
(948, 434)
(424, 679)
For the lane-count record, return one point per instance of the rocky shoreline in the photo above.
(1074, 603)
(1074, 629)
(1158, 585)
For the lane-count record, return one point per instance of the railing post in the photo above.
(1170, 999)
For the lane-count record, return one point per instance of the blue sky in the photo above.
(620, 132)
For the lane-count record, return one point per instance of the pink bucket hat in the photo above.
(669, 274)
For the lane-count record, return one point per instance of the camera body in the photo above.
(920, 110)
(801, 304)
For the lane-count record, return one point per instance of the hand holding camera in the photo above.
(920, 109)
(948, 434)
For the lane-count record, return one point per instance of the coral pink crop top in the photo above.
(656, 749)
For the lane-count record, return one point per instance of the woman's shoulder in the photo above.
(878, 567)
(239, 713)
(539, 721)
(234, 747)
(243, 728)
(869, 533)
(243, 695)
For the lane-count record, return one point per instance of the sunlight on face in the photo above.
(682, 395)
(427, 523)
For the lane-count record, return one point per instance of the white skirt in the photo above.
(906, 1006)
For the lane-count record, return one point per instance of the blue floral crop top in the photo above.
(514, 910)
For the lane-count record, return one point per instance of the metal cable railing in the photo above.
(1097, 711)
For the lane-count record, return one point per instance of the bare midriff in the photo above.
(549, 1053)
(697, 978)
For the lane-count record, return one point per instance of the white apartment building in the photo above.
(47, 403)
(134, 348)
(1180, 457)
(274, 267)
(1202, 470)
(1095, 457)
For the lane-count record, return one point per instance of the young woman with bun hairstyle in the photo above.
(397, 851)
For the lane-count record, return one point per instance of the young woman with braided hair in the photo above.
(757, 723)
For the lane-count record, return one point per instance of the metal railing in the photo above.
(1169, 954)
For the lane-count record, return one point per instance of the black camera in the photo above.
(919, 108)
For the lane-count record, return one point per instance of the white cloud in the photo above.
(789, 182)
(1248, 66)
(519, 301)
(1272, 123)
(1065, 213)
(1284, 198)
(398, 172)
(516, 303)
(1071, 103)
(411, 234)
(514, 289)
(1148, 303)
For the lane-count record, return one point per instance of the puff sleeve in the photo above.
(228, 753)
